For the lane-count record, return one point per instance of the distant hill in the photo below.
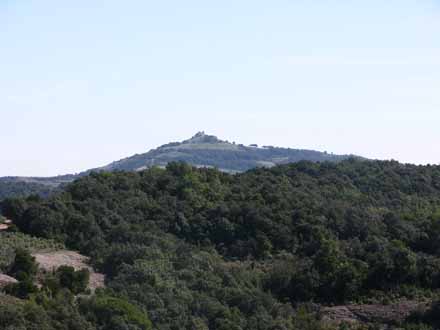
(202, 150)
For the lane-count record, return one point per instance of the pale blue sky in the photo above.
(86, 83)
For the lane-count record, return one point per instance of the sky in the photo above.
(83, 83)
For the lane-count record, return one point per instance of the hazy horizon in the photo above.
(84, 84)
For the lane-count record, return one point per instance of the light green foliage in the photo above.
(111, 313)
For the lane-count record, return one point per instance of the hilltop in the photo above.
(201, 150)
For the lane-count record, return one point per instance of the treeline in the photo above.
(201, 249)
(12, 188)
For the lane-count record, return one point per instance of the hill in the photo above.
(201, 150)
(24, 186)
(196, 248)
(204, 150)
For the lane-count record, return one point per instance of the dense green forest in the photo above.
(26, 186)
(13, 188)
(189, 248)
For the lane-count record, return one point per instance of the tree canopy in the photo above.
(202, 249)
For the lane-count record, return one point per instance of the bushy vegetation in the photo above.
(110, 313)
(24, 268)
(201, 249)
(12, 241)
(66, 277)
(65, 312)
(53, 306)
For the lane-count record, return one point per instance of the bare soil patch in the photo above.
(376, 313)
(5, 280)
(50, 261)
(5, 223)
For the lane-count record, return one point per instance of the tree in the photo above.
(75, 281)
(24, 265)
(112, 313)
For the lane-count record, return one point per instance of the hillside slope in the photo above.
(203, 249)
(208, 151)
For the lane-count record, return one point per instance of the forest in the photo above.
(188, 248)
